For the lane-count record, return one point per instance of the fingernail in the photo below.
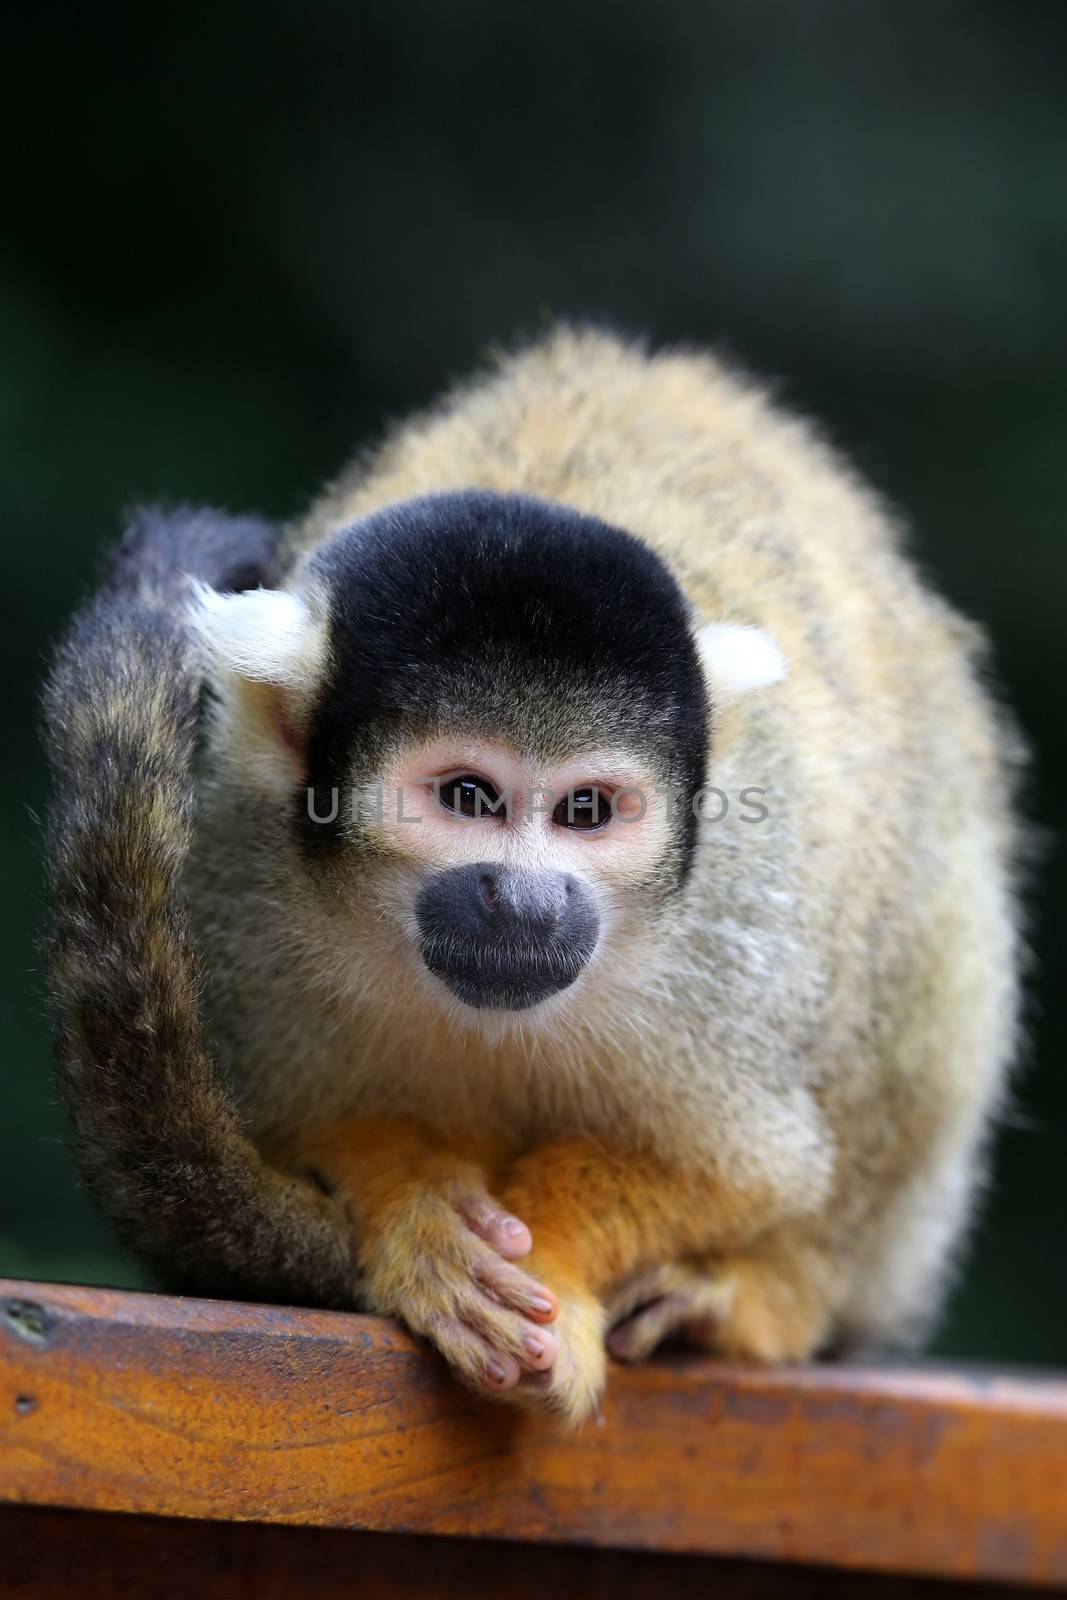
(544, 1306)
(534, 1347)
(513, 1226)
(497, 1372)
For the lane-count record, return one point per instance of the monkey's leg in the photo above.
(433, 1247)
(689, 1255)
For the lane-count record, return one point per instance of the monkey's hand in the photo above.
(435, 1249)
(681, 1301)
(770, 1305)
(629, 1244)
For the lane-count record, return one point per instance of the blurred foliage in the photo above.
(238, 237)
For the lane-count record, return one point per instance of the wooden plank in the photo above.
(194, 1408)
(86, 1555)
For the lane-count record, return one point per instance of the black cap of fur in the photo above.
(510, 617)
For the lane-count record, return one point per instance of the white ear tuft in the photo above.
(268, 635)
(738, 658)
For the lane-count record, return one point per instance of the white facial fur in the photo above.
(277, 639)
(402, 812)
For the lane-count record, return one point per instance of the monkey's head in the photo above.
(482, 722)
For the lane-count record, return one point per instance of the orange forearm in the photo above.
(597, 1217)
(373, 1164)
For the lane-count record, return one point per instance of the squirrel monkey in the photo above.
(599, 845)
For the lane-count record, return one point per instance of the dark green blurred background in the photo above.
(236, 238)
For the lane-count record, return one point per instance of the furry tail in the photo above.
(157, 1134)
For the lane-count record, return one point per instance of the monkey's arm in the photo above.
(157, 1134)
(618, 1240)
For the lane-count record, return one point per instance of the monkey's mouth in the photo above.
(488, 980)
(501, 940)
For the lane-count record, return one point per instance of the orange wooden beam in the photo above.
(191, 1408)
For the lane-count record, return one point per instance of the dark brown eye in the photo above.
(583, 808)
(471, 796)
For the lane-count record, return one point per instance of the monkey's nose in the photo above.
(534, 902)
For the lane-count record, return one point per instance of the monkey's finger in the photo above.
(644, 1288)
(500, 1371)
(510, 1338)
(694, 1317)
(509, 1236)
(639, 1335)
(474, 1358)
(534, 1348)
(540, 1350)
(516, 1290)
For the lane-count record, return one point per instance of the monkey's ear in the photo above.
(264, 635)
(737, 658)
(263, 653)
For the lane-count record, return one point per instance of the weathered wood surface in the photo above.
(87, 1555)
(190, 1408)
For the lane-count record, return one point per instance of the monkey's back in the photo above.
(881, 880)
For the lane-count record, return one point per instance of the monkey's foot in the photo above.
(438, 1263)
(746, 1310)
